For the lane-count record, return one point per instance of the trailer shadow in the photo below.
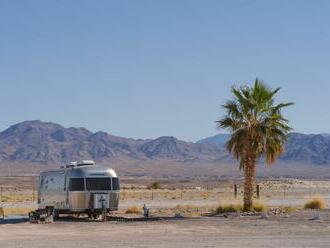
(13, 220)
(117, 219)
(74, 219)
(20, 219)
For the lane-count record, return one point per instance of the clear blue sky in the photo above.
(144, 69)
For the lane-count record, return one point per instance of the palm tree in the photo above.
(257, 129)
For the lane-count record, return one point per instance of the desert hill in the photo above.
(35, 144)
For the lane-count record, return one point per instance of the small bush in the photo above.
(231, 208)
(155, 185)
(316, 203)
(133, 210)
(259, 207)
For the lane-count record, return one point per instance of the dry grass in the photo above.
(189, 210)
(288, 209)
(230, 208)
(133, 210)
(17, 197)
(185, 207)
(17, 211)
(315, 203)
(236, 208)
(259, 207)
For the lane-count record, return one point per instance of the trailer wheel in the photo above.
(50, 212)
(50, 218)
(34, 217)
(56, 215)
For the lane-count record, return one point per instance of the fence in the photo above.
(284, 195)
(15, 190)
(22, 191)
(12, 194)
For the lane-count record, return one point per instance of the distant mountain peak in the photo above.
(219, 139)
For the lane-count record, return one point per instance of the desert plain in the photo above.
(195, 199)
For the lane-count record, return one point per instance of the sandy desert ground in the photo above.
(190, 198)
(280, 231)
(19, 194)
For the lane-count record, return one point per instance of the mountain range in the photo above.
(37, 144)
(302, 148)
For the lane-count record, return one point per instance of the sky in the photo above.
(145, 69)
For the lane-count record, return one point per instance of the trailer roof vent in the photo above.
(85, 162)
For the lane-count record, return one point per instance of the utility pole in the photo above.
(181, 192)
(258, 191)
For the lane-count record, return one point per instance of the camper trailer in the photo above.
(78, 188)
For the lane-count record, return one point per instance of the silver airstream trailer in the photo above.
(76, 188)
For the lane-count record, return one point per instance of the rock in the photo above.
(178, 215)
(250, 213)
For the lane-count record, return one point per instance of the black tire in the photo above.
(56, 215)
(50, 214)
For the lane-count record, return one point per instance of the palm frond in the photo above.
(232, 109)
(255, 123)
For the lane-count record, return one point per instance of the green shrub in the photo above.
(315, 203)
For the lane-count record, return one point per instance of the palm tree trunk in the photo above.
(249, 182)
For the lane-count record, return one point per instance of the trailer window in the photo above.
(76, 184)
(98, 183)
(115, 183)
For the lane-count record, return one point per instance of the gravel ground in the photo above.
(276, 231)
